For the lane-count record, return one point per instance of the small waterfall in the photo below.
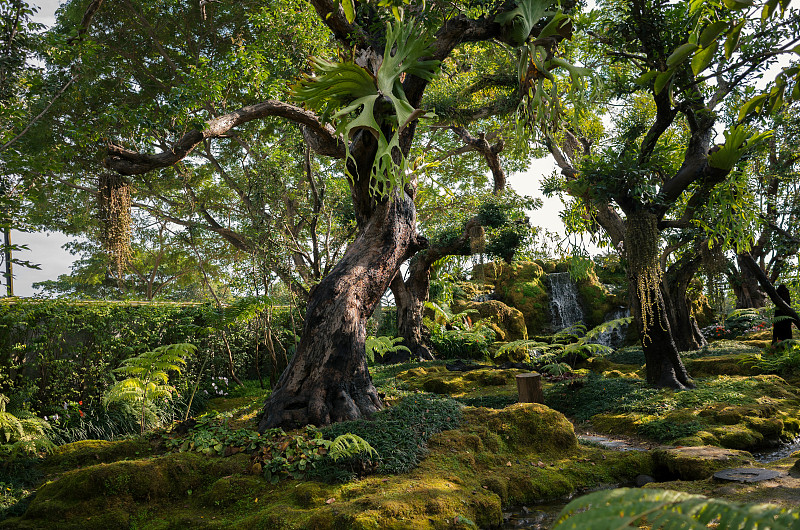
(564, 307)
(614, 338)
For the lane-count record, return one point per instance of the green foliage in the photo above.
(568, 344)
(596, 394)
(22, 433)
(380, 346)
(349, 445)
(400, 434)
(460, 344)
(56, 351)
(148, 377)
(782, 360)
(629, 508)
(556, 368)
(211, 435)
(666, 431)
(347, 88)
(738, 141)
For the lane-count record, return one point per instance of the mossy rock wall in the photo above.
(523, 285)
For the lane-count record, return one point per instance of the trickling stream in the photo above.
(565, 310)
(777, 453)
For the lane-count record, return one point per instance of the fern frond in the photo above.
(628, 507)
(607, 326)
(347, 445)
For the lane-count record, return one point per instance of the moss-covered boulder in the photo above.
(507, 322)
(91, 452)
(440, 380)
(697, 463)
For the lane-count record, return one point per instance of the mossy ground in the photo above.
(520, 454)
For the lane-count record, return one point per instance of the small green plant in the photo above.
(556, 369)
(148, 377)
(21, 433)
(629, 507)
(782, 359)
(380, 346)
(349, 445)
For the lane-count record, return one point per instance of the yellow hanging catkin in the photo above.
(641, 251)
(114, 203)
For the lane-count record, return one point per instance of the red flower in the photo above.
(80, 402)
(81, 413)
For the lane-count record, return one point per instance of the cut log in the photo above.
(529, 388)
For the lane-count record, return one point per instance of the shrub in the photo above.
(459, 344)
(400, 434)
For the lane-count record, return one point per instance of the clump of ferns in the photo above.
(377, 347)
(22, 433)
(566, 346)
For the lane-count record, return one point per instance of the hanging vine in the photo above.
(641, 251)
(114, 204)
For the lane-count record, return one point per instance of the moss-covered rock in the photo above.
(528, 425)
(509, 321)
(715, 365)
(696, 463)
(439, 380)
(90, 452)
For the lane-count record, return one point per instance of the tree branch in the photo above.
(127, 162)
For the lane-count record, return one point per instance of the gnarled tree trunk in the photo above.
(664, 367)
(685, 330)
(747, 289)
(327, 380)
(410, 297)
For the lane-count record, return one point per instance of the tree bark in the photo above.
(410, 296)
(327, 380)
(676, 281)
(663, 365)
(746, 287)
(780, 303)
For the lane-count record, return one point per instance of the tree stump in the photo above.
(529, 388)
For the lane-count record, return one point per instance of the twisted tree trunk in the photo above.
(664, 367)
(327, 380)
(685, 330)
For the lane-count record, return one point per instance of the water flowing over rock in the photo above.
(564, 307)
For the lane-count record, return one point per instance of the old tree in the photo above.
(372, 92)
(672, 69)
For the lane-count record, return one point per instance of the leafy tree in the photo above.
(678, 62)
(18, 42)
(373, 97)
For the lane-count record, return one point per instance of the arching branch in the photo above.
(127, 162)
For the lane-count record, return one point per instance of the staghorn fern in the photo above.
(148, 377)
(631, 507)
(358, 99)
(348, 445)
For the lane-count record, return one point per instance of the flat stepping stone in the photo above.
(746, 474)
(607, 443)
